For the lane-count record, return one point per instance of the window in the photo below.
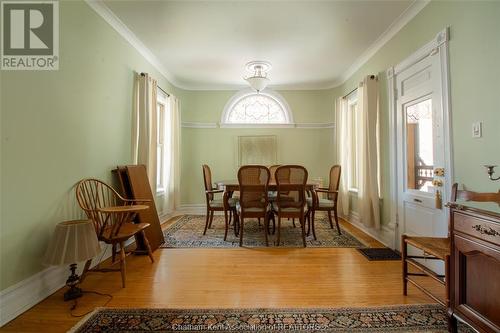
(251, 108)
(352, 128)
(162, 141)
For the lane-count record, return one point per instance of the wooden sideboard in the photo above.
(475, 266)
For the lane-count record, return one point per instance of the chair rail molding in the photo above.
(189, 124)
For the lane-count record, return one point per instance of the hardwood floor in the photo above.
(218, 278)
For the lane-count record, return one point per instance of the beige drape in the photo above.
(173, 176)
(368, 153)
(144, 125)
(343, 139)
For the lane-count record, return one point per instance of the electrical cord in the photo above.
(75, 303)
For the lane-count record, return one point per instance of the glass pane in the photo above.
(419, 146)
(257, 109)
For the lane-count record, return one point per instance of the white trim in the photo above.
(25, 294)
(385, 235)
(393, 188)
(188, 124)
(248, 92)
(107, 14)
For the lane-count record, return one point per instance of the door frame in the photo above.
(436, 47)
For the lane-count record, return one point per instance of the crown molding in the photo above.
(386, 36)
(107, 14)
(100, 8)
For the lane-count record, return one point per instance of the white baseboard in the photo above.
(385, 235)
(27, 293)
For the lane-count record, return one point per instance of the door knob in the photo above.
(439, 172)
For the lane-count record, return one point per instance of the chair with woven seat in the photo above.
(224, 204)
(291, 199)
(435, 248)
(254, 202)
(113, 218)
(329, 204)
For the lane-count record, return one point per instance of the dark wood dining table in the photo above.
(232, 185)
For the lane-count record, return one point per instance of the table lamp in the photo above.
(72, 242)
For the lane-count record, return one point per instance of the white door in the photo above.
(422, 156)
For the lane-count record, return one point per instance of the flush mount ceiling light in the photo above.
(258, 79)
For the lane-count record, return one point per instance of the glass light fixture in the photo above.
(258, 79)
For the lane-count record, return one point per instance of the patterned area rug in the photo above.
(407, 318)
(187, 232)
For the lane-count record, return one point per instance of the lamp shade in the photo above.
(258, 83)
(72, 242)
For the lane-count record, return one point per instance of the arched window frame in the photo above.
(249, 92)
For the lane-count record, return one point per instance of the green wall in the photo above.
(474, 53)
(217, 147)
(58, 127)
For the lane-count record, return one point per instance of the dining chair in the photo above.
(254, 202)
(316, 203)
(436, 248)
(112, 216)
(225, 204)
(291, 199)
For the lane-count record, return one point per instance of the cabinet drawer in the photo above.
(477, 227)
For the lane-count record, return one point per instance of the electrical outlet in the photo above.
(477, 129)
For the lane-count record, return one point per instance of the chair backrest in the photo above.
(334, 181)
(93, 194)
(291, 181)
(207, 178)
(253, 181)
(474, 196)
(272, 171)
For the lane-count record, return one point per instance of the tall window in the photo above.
(352, 127)
(162, 141)
(249, 107)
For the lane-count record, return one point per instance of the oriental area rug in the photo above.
(187, 232)
(429, 318)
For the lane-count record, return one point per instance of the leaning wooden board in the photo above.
(135, 185)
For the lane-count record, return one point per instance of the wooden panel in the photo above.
(140, 189)
(477, 227)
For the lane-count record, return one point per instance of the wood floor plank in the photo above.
(229, 278)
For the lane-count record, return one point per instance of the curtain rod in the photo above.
(372, 77)
(166, 93)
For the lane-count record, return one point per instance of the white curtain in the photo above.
(144, 125)
(343, 139)
(368, 152)
(173, 165)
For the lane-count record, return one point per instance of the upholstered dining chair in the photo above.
(113, 218)
(254, 202)
(225, 204)
(436, 248)
(291, 198)
(315, 203)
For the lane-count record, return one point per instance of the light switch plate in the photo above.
(477, 129)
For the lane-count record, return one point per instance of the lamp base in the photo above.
(72, 293)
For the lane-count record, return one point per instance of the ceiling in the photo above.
(206, 44)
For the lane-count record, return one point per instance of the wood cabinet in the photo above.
(475, 267)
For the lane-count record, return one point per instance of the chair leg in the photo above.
(293, 222)
(278, 240)
(266, 228)
(241, 231)
(85, 270)
(206, 222)
(258, 219)
(226, 223)
(330, 218)
(230, 216)
(113, 253)
(404, 263)
(313, 227)
(303, 229)
(211, 219)
(122, 262)
(308, 220)
(148, 246)
(337, 219)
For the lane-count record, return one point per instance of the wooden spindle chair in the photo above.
(254, 201)
(329, 204)
(113, 218)
(291, 183)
